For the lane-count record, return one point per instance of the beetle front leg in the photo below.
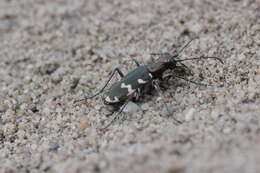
(196, 83)
(191, 81)
(156, 85)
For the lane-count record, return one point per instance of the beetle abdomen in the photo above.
(128, 85)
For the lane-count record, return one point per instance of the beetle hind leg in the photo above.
(116, 116)
(99, 92)
(113, 119)
(136, 62)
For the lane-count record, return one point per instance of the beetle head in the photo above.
(165, 60)
(168, 61)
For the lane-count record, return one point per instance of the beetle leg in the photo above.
(157, 87)
(116, 116)
(136, 62)
(168, 76)
(119, 72)
(159, 54)
(111, 109)
(137, 94)
(184, 66)
(113, 73)
(196, 83)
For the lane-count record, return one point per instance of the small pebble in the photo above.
(48, 68)
(214, 115)
(74, 83)
(131, 107)
(54, 147)
(33, 108)
(3, 107)
(84, 124)
(145, 106)
(190, 114)
(227, 130)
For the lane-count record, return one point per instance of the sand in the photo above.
(53, 52)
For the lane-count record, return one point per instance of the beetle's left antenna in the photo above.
(185, 46)
(179, 52)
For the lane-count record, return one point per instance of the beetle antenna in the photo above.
(180, 51)
(185, 46)
(202, 57)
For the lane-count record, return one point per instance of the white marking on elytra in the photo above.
(151, 75)
(141, 81)
(111, 101)
(129, 88)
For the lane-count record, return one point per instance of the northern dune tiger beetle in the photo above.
(131, 85)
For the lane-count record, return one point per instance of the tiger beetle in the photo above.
(132, 84)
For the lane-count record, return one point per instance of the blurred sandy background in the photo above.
(52, 52)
